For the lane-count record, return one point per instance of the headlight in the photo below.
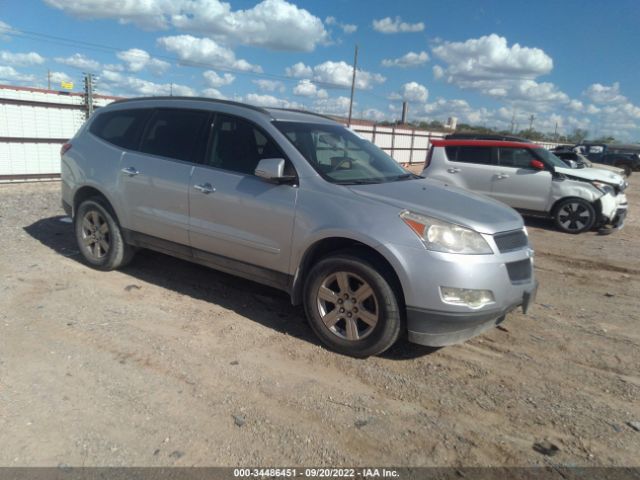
(446, 237)
(604, 188)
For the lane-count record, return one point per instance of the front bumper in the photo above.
(438, 329)
(435, 322)
(614, 212)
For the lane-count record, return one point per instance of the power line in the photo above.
(84, 45)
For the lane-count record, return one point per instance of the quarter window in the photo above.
(478, 155)
(121, 128)
(175, 133)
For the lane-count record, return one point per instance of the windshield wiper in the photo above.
(366, 181)
(404, 176)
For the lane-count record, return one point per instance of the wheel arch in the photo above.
(323, 247)
(88, 191)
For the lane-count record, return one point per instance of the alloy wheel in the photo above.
(95, 234)
(347, 305)
(574, 216)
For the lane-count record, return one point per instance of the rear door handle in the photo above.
(131, 171)
(453, 170)
(205, 188)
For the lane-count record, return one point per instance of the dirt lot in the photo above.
(168, 363)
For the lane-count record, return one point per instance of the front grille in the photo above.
(510, 241)
(520, 271)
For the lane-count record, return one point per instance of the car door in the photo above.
(470, 167)
(155, 178)
(237, 220)
(518, 184)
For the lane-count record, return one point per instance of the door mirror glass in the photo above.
(536, 165)
(272, 170)
(571, 163)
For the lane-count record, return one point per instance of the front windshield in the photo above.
(341, 156)
(549, 158)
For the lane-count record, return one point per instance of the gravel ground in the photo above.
(169, 363)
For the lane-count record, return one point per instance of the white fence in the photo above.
(35, 123)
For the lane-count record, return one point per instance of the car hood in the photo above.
(592, 174)
(451, 204)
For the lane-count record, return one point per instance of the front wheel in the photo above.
(99, 236)
(351, 306)
(574, 215)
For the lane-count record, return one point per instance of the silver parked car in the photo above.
(296, 201)
(532, 180)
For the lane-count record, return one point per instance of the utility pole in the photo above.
(171, 89)
(353, 85)
(88, 93)
(513, 122)
(531, 119)
(48, 79)
(555, 133)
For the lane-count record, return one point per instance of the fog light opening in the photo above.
(468, 297)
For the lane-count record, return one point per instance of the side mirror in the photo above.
(536, 165)
(272, 170)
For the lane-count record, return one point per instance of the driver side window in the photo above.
(515, 157)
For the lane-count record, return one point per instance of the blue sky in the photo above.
(570, 63)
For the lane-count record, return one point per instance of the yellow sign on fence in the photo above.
(67, 85)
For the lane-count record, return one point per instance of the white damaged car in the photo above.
(532, 180)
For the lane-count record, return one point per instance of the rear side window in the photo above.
(176, 133)
(478, 155)
(515, 157)
(122, 127)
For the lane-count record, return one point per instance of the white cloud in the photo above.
(150, 14)
(410, 59)
(603, 94)
(10, 74)
(332, 106)
(490, 57)
(269, 85)
(271, 101)
(438, 72)
(79, 61)
(194, 50)
(136, 60)
(346, 27)
(305, 88)
(299, 70)
(5, 30)
(374, 115)
(213, 93)
(274, 24)
(21, 59)
(339, 74)
(390, 25)
(214, 80)
(129, 85)
(414, 92)
(57, 77)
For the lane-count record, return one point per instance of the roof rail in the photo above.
(199, 99)
(298, 110)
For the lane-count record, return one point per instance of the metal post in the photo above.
(48, 79)
(413, 137)
(373, 137)
(393, 140)
(88, 93)
(353, 84)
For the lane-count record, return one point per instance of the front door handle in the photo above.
(131, 171)
(502, 175)
(205, 188)
(453, 170)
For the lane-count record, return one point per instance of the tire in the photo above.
(574, 215)
(99, 236)
(362, 324)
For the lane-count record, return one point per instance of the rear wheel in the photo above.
(351, 306)
(99, 236)
(575, 215)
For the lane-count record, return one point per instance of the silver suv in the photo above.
(296, 201)
(532, 180)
